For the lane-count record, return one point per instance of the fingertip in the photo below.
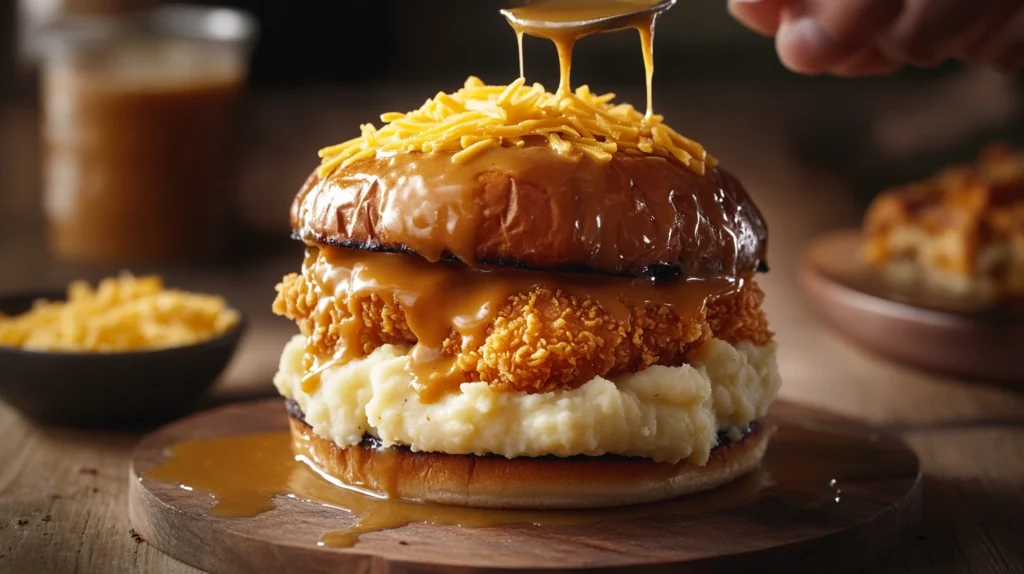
(803, 46)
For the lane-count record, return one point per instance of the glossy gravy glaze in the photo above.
(566, 21)
(442, 299)
(538, 209)
(808, 465)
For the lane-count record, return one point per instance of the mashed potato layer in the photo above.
(667, 414)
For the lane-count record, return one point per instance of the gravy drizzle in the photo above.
(443, 299)
(542, 210)
(564, 22)
(811, 464)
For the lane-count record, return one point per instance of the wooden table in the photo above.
(62, 493)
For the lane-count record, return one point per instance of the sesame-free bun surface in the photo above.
(524, 482)
(531, 207)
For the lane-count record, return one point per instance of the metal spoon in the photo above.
(561, 16)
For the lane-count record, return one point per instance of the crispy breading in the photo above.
(542, 340)
(740, 318)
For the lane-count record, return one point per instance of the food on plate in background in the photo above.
(960, 232)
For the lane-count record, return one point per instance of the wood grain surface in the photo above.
(872, 516)
(63, 494)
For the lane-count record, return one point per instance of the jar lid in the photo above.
(178, 21)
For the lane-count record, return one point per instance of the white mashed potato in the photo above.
(664, 413)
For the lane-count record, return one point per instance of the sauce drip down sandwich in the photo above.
(524, 299)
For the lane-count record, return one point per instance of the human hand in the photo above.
(873, 37)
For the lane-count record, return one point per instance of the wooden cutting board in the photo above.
(802, 530)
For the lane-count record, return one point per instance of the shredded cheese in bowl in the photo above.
(123, 313)
(479, 117)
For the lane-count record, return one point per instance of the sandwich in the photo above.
(512, 298)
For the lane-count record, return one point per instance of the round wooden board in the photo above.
(928, 330)
(872, 518)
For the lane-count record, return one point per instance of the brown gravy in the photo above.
(138, 152)
(442, 298)
(542, 210)
(807, 466)
(566, 21)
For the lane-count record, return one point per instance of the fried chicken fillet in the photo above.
(533, 324)
(542, 340)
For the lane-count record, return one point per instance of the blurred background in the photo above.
(300, 75)
(143, 136)
(175, 145)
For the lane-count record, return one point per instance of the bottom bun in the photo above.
(523, 482)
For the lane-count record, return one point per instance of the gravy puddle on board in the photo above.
(805, 467)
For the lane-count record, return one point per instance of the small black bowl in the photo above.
(136, 389)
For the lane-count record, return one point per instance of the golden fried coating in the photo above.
(740, 318)
(383, 322)
(542, 340)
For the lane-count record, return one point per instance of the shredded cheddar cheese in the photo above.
(123, 313)
(479, 117)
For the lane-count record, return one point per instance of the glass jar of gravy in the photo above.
(138, 133)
